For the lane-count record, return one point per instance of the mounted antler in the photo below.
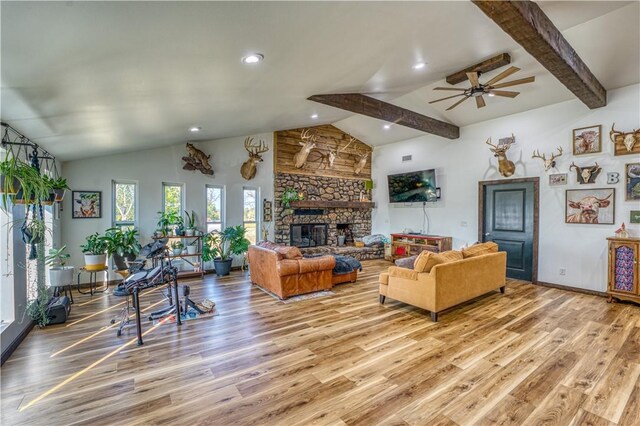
(308, 143)
(333, 152)
(550, 163)
(362, 161)
(249, 167)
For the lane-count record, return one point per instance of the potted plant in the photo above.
(95, 252)
(163, 224)
(51, 198)
(191, 224)
(221, 246)
(122, 246)
(177, 247)
(178, 223)
(33, 232)
(290, 195)
(192, 248)
(33, 188)
(59, 274)
(9, 182)
(60, 187)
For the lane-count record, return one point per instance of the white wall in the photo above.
(152, 167)
(460, 164)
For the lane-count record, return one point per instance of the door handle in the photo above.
(487, 234)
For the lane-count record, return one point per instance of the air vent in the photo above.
(406, 158)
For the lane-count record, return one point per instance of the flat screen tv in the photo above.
(413, 187)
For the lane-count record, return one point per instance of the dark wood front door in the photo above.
(509, 219)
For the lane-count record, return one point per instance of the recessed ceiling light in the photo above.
(419, 65)
(195, 129)
(387, 126)
(254, 58)
(314, 116)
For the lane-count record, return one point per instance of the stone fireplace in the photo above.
(308, 235)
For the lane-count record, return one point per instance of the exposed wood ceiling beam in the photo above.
(483, 67)
(371, 107)
(527, 24)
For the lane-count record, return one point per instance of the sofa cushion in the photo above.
(421, 262)
(289, 252)
(397, 272)
(406, 262)
(434, 259)
(480, 249)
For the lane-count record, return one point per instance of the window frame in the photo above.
(182, 196)
(114, 222)
(222, 206)
(257, 221)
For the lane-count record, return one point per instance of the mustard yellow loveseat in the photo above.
(446, 284)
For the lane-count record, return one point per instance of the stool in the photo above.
(93, 281)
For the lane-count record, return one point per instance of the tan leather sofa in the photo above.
(446, 284)
(283, 271)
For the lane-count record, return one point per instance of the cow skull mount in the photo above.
(505, 166)
(249, 167)
(586, 174)
(549, 163)
(628, 139)
(308, 143)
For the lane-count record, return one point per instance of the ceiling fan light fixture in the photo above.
(253, 58)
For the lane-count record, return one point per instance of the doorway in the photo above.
(508, 216)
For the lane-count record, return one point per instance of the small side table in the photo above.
(93, 281)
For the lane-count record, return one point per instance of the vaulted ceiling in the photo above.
(93, 78)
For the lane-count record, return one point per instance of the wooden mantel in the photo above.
(324, 204)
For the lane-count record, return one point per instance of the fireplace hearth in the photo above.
(308, 234)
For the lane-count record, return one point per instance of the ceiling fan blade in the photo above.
(504, 93)
(514, 82)
(504, 74)
(448, 97)
(480, 101)
(449, 88)
(473, 78)
(457, 103)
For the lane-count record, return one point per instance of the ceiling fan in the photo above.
(478, 89)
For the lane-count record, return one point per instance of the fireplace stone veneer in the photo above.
(321, 188)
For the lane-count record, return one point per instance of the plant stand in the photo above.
(93, 281)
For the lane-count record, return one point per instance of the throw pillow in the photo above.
(406, 262)
(480, 249)
(420, 265)
(444, 257)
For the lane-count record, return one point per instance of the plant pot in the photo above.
(189, 232)
(12, 188)
(222, 267)
(179, 231)
(59, 194)
(192, 249)
(95, 262)
(120, 262)
(49, 201)
(176, 252)
(19, 198)
(61, 275)
(341, 239)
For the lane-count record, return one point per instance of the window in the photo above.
(215, 208)
(124, 202)
(250, 216)
(172, 198)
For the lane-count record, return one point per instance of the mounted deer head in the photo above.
(586, 174)
(505, 166)
(249, 167)
(551, 162)
(308, 143)
(333, 152)
(628, 139)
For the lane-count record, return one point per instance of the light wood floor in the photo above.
(535, 355)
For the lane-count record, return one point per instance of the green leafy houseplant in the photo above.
(59, 186)
(221, 246)
(95, 245)
(122, 245)
(167, 219)
(59, 274)
(290, 195)
(191, 219)
(57, 257)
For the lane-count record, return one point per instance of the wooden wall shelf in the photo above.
(321, 204)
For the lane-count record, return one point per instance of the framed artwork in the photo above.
(86, 204)
(587, 140)
(267, 213)
(558, 179)
(634, 216)
(590, 206)
(632, 181)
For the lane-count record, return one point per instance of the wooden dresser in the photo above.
(623, 269)
(404, 245)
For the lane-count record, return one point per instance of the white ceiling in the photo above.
(93, 78)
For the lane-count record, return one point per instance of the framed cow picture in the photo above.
(86, 204)
(587, 140)
(590, 206)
